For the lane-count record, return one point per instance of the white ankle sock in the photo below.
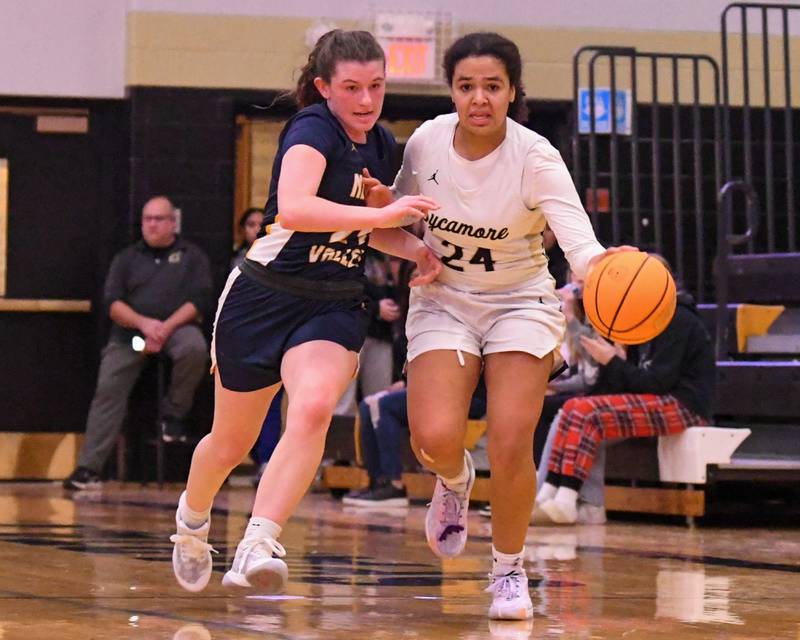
(262, 528)
(502, 563)
(191, 518)
(458, 482)
(547, 492)
(565, 495)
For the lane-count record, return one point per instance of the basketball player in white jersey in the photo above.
(493, 306)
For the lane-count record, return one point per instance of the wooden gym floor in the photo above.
(97, 565)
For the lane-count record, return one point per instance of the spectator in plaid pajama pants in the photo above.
(659, 388)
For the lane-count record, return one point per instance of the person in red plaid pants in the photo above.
(660, 388)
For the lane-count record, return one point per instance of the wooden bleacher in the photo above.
(680, 496)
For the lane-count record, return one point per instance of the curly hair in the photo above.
(487, 43)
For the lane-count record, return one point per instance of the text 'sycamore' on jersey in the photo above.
(331, 255)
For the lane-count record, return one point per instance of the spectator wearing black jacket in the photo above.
(655, 389)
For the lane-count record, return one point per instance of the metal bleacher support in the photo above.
(705, 149)
(758, 387)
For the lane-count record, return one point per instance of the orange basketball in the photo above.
(629, 297)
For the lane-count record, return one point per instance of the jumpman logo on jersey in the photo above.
(353, 147)
(433, 177)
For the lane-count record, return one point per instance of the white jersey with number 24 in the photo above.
(488, 231)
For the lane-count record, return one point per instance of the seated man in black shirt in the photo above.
(156, 291)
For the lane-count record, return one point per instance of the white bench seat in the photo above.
(684, 457)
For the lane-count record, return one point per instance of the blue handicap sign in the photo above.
(602, 111)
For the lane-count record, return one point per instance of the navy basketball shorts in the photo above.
(256, 325)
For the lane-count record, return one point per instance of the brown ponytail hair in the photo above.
(333, 47)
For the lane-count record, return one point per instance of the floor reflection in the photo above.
(693, 596)
(102, 570)
(192, 632)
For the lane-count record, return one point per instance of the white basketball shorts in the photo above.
(526, 319)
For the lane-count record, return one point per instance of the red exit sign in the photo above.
(409, 60)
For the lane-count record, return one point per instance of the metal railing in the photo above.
(641, 214)
(726, 240)
(778, 190)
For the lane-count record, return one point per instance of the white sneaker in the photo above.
(539, 517)
(446, 520)
(511, 600)
(591, 514)
(559, 511)
(191, 556)
(254, 567)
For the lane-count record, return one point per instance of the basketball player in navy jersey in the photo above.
(294, 312)
(493, 307)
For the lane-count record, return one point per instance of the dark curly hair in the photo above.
(487, 43)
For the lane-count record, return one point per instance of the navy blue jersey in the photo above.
(330, 255)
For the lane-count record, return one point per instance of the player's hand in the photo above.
(601, 351)
(611, 250)
(405, 211)
(388, 310)
(428, 267)
(376, 194)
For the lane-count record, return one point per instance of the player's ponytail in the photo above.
(333, 47)
(491, 44)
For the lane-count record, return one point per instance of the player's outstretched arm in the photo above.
(300, 209)
(401, 243)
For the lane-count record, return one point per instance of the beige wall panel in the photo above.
(220, 69)
(559, 45)
(215, 33)
(544, 81)
(218, 33)
(215, 51)
(548, 57)
(265, 52)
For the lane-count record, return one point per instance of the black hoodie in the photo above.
(679, 362)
